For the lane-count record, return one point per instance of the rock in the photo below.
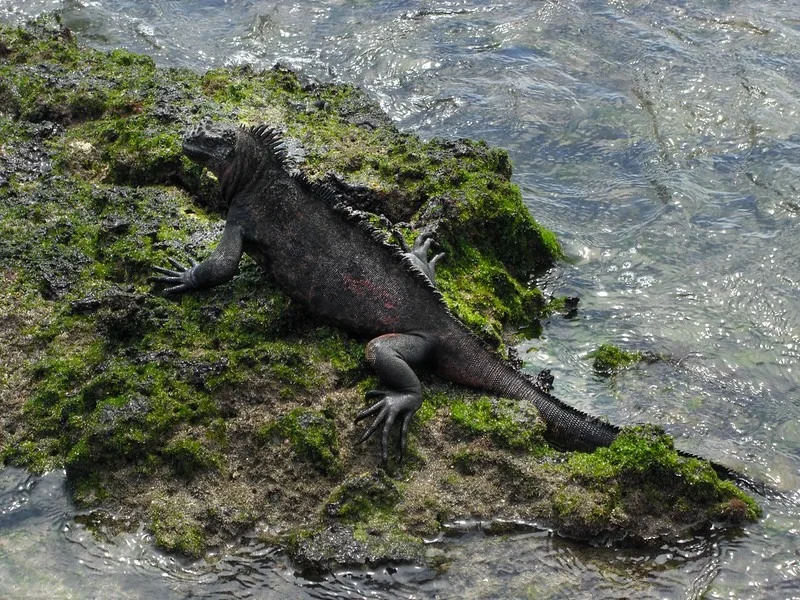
(231, 410)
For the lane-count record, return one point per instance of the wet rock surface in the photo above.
(230, 411)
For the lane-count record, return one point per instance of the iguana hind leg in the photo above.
(393, 357)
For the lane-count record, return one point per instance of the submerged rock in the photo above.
(230, 411)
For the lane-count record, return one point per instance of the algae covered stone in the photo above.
(311, 434)
(231, 411)
(608, 359)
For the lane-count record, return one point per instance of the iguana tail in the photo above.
(468, 362)
(567, 427)
(570, 428)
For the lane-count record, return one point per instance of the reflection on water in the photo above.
(44, 553)
(661, 141)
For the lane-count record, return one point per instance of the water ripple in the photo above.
(660, 140)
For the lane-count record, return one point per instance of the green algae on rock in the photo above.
(311, 434)
(231, 410)
(608, 359)
(509, 424)
(642, 467)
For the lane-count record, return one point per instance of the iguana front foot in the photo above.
(418, 254)
(218, 268)
(389, 408)
(179, 279)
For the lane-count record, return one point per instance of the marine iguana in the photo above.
(324, 255)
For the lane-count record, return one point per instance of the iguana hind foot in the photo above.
(393, 357)
(390, 407)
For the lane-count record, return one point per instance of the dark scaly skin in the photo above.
(339, 268)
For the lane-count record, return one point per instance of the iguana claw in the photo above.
(544, 381)
(418, 254)
(179, 278)
(390, 407)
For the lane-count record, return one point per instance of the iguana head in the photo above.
(211, 145)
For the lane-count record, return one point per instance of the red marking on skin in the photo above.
(364, 288)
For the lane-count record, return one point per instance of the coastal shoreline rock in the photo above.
(230, 411)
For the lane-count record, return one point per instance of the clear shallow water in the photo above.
(662, 143)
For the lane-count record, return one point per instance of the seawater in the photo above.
(661, 141)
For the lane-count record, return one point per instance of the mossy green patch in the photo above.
(344, 353)
(609, 359)
(311, 434)
(431, 402)
(188, 456)
(510, 424)
(123, 149)
(175, 530)
(101, 414)
(361, 496)
(644, 459)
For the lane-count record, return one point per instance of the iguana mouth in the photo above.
(192, 151)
